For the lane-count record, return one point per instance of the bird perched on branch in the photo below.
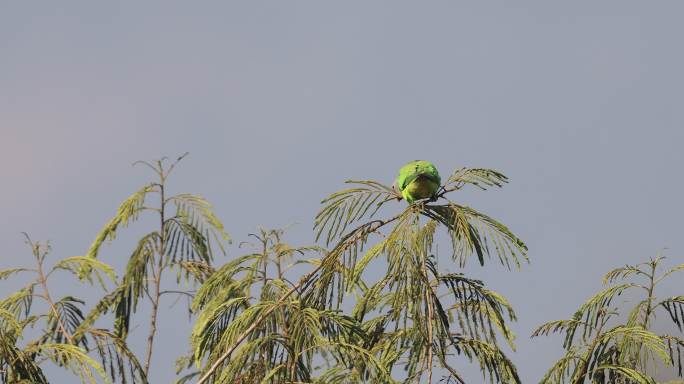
(417, 180)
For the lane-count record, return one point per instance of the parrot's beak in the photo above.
(396, 192)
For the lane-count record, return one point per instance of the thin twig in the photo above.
(160, 268)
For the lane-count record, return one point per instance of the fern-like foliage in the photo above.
(294, 343)
(420, 318)
(417, 317)
(348, 206)
(471, 232)
(184, 243)
(618, 349)
(67, 338)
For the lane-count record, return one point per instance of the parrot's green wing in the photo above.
(412, 170)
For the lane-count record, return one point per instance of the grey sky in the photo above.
(579, 103)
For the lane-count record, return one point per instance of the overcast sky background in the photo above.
(579, 103)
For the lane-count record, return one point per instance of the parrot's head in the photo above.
(396, 189)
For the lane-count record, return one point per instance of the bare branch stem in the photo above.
(158, 275)
(43, 283)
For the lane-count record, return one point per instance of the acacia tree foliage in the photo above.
(414, 316)
(257, 323)
(606, 344)
(296, 344)
(181, 243)
(66, 337)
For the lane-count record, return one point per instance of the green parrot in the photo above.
(417, 180)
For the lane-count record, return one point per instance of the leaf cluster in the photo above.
(604, 347)
(65, 338)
